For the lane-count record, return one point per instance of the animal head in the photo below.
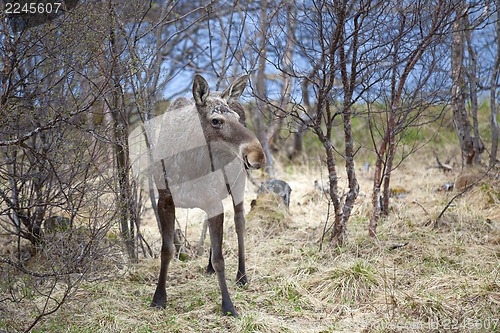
(222, 125)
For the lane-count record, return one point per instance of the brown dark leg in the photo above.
(166, 211)
(239, 222)
(210, 269)
(216, 225)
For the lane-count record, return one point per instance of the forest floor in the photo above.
(416, 276)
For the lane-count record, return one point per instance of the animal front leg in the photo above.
(216, 226)
(239, 222)
(166, 212)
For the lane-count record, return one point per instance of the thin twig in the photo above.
(325, 229)
(397, 246)
(420, 205)
(444, 167)
(466, 189)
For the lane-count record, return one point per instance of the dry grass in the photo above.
(446, 277)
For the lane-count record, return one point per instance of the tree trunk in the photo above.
(377, 184)
(384, 209)
(260, 123)
(338, 237)
(472, 75)
(352, 194)
(493, 96)
(125, 205)
(120, 130)
(348, 82)
(458, 93)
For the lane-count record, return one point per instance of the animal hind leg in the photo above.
(210, 268)
(166, 212)
(216, 226)
(201, 242)
(203, 235)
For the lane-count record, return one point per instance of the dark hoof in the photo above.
(210, 270)
(229, 311)
(241, 280)
(231, 314)
(159, 301)
(158, 306)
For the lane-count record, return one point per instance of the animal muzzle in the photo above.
(253, 156)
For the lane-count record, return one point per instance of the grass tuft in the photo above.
(349, 283)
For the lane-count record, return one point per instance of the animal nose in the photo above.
(250, 165)
(255, 165)
(255, 159)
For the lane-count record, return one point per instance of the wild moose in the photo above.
(200, 152)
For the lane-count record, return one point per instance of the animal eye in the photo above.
(217, 122)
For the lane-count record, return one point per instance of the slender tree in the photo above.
(339, 33)
(493, 93)
(459, 89)
(416, 40)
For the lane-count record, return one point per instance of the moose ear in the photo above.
(235, 90)
(201, 90)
